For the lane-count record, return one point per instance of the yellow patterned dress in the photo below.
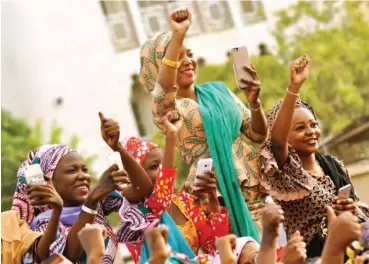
(192, 144)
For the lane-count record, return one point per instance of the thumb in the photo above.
(189, 14)
(101, 115)
(112, 168)
(164, 233)
(296, 234)
(331, 214)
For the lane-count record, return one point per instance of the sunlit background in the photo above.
(65, 60)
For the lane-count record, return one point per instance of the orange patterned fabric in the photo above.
(151, 56)
(193, 146)
(207, 228)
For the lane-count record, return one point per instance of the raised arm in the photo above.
(283, 122)
(141, 185)
(180, 22)
(166, 89)
(43, 195)
(108, 182)
(342, 230)
(272, 216)
(257, 129)
(160, 199)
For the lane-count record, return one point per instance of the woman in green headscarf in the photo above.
(214, 118)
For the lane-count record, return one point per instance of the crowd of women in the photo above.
(229, 215)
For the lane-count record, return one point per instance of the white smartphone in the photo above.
(240, 57)
(344, 192)
(34, 175)
(114, 158)
(202, 166)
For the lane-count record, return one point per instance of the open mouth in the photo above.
(82, 188)
(312, 141)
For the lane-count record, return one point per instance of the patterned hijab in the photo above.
(273, 112)
(151, 55)
(139, 148)
(48, 156)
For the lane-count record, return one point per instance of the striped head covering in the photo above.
(151, 55)
(48, 156)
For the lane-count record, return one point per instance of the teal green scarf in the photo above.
(222, 122)
(176, 240)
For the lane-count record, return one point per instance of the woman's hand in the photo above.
(110, 131)
(295, 250)
(226, 246)
(180, 21)
(272, 216)
(92, 240)
(207, 184)
(342, 230)
(299, 70)
(343, 205)
(252, 87)
(111, 180)
(157, 239)
(45, 194)
(173, 122)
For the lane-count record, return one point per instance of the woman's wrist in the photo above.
(178, 37)
(255, 105)
(294, 88)
(91, 202)
(57, 210)
(214, 203)
(170, 136)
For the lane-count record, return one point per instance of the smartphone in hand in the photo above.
(344, 192)
(240, 57)
(203, 166)
(34, 175)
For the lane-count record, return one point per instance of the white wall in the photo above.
(62, 48)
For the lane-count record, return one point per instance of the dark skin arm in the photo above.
(272, 216)
(42, 195)
(140, 184)
(208, 185)
(342, 231)
(108, 182)
(180, 22)
(172, 125)
(252, 89)
(283, 122)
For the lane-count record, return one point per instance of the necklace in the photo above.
(317, 172)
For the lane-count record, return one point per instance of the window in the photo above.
(252, 11)
(207, 16)
(154, 17)
(216, 15)
(119, 20)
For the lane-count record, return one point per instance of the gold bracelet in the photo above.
(295, 94)
(171, 63)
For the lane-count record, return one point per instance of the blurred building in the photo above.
(66, 60)
(351, 145)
